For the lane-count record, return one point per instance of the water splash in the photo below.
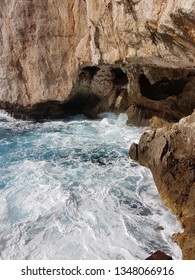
(68, 190)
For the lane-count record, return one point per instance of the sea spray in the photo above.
(68, 190)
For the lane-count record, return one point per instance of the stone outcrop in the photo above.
(170, 154)
(123, 55)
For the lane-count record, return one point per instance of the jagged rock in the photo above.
(170, 155)
(159, 255)
(135, 56)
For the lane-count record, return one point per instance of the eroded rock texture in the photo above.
(170, 154)
(123, 55)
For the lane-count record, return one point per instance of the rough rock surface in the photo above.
(159, 255)
(170, 154)
(48, 50)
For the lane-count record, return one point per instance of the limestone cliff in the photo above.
(170, 154)
(130, 55)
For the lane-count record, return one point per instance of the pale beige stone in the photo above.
(44, 43)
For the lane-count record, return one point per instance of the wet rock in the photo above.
(133, 152)
(159, 255)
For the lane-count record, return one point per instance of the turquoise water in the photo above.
(68, 190)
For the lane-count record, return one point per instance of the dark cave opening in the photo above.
(80, 103)
(162, 89)
(120, 78)
(91, 70)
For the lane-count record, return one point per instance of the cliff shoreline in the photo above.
(89, 56)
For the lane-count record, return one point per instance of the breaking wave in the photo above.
(68, 190)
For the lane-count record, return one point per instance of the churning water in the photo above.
(68, 190)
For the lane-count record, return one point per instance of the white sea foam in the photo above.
(4, 115)
(69, 191)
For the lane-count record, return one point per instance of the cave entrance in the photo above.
(81, 103)
(162, 89)
(120, 77)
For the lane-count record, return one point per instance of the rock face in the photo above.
(123, 55)
(170, 154)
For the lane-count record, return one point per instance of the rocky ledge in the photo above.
(170, 155)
